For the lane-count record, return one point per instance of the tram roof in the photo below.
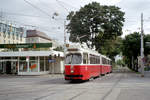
(30, 53)
(79, 47)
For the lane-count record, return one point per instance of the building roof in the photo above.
(31, 53)
(35, 33)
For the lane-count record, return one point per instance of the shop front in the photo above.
(8, 65)
(31, 62)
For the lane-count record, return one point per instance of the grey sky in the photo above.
(133, 10)
(18, 11)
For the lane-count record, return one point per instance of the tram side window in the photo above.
(91, 59)
(98, 60)
(104, 61)
(85, 58)
(110, 62)
(94, 59)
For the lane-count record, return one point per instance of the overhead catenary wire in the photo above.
(38, 8)
(41, 10)
(44, 4)
(67, 4)
(25, 15)
(62, 5)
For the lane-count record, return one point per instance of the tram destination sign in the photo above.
(27, 45)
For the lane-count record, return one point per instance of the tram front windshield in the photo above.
(73, 58)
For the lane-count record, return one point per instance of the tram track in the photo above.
(112, 88)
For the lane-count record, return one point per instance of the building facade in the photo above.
(35, 36)
(10, 34)
(31, 62)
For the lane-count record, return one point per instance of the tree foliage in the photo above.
(100, 24)
(132, 45)
(120, 62)
(96, 22)
(110, 47)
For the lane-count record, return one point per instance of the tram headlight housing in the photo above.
(72, 69)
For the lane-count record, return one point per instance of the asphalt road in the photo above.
(114, 86)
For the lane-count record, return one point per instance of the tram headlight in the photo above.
(72, 69)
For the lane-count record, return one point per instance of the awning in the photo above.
(31, 53)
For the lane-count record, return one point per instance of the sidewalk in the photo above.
(30, 76)
(147, 74)
(121, 70)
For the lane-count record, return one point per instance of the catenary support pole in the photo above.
(142, 49)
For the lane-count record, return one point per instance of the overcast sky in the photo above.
(40, 14)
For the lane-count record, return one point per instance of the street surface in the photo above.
(115, 86)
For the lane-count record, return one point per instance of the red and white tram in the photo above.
(83, 64)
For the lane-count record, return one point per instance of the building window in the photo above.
(8, 35)
(17, 36)
(47, 63)
(22, 64)
(0, 27)
(13, 36)
(8, 29)
(4, 35)
(42, 63)
(33, 64)
(20, 38)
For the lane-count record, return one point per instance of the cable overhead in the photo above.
(62, 5)
(20, 14)
(44, 4)
(68, 5)
(38, 8)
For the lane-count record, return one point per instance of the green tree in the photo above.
(146, 46)
(131, 48)
(110, 47)
(120, 62)
(98, 22)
